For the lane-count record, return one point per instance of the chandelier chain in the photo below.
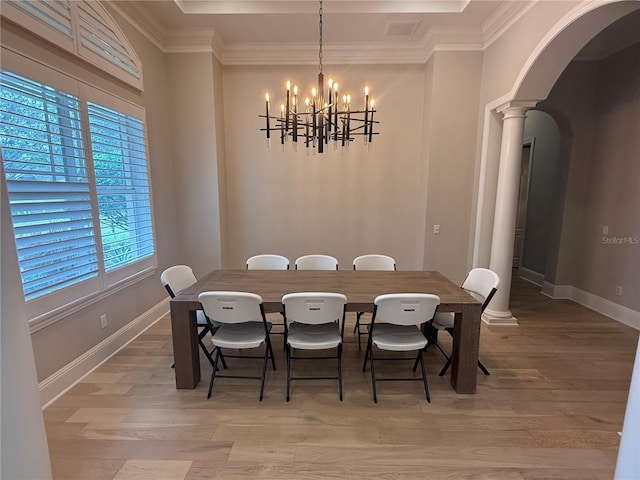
(320, 52)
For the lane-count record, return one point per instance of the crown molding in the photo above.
(414, 52)
(505, 16)
(150, 29)
(336, 54)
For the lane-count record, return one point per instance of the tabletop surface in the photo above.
(361, 287)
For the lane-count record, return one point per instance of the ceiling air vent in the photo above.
(399, 29)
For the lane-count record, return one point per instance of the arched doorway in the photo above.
(495, 221)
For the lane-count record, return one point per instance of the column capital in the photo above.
(516, 108)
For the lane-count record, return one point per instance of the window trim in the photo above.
(38, 313)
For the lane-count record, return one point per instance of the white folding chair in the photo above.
(267, 261)
(316, 262)
(370, 262)
(177, 278)
(395, 326)
(315, 321)
(243, 325)
(480, 283)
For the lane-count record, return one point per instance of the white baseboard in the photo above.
(57, 384)
(601, 305)
(531, 276)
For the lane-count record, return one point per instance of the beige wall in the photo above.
(544, 184)
(452, 113)
(341, 205)
(603, 186)
(192, 106)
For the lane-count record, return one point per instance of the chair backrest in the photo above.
(268, 261)
(314, 308)
(405, 308)
(316, 262)
(177, 278)
(232, 307)
(483, 282)
(374, 262)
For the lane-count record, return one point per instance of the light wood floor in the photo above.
(551, 409)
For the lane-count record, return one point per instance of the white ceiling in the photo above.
(356, 31)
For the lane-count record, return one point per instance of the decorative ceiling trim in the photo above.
(505, 16)
(222, 7)
(415, 52)
(150, 29)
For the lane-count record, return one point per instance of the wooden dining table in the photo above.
(360, 287)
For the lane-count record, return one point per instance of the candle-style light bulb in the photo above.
(313, 92)
(366, 90)
(307, 101)
(282, 108)
(288, 85)
(266, 102)
(295, 90)
(348, 99)
(330, 82)
(371, 103)
(335, 87)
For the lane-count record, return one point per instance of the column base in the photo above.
(491, 317)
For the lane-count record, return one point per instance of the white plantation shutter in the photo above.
(51, 19)
(83, 27)
(122, 184)
(101, 40)
(48, 185)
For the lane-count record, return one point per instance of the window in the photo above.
(120, 167)
(78, 189)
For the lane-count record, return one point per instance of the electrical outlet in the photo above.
(619, 291)
(436, 229)
(103, 321)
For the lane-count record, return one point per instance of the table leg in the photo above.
(185, 345)
(466, 343)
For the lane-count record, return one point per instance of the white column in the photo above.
(504, 222)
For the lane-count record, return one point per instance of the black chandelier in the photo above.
(320, 120)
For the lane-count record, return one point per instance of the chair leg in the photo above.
(270, 351)
(224, 364)
(373, 376)
(357, 327)
(288, 351)
(264, 370)
(418, 357)
(483, 368)
(340, 370)
(213, 373)
(445, 368)
(424, 376)
(366, 355)
(206, 352)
